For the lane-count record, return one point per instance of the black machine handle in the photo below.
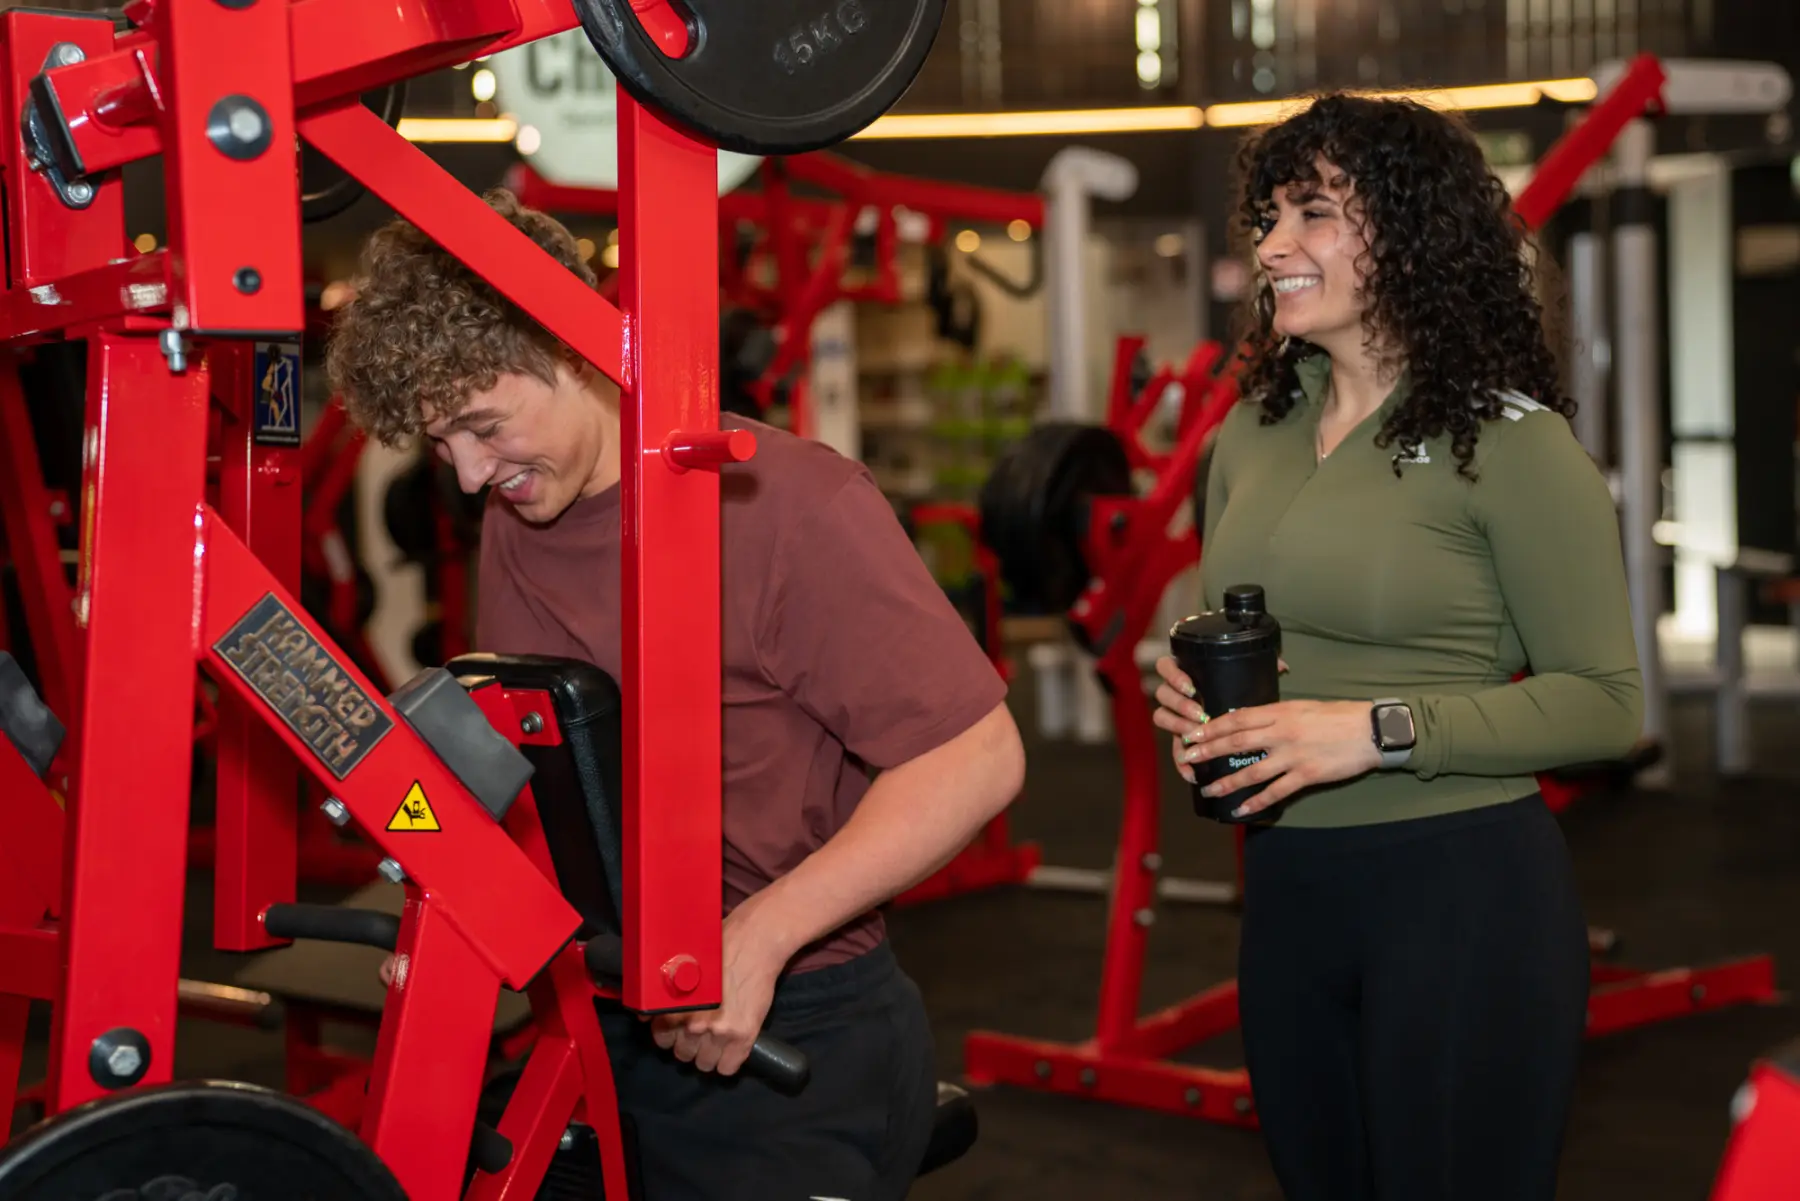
(771, 1060)
(333, 923)
(492, 1150)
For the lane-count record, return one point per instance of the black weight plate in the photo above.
(325, 189)
(202, 1139)
(408, 510)
(772, 77)
(1034, 509)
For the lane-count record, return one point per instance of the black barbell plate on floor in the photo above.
(774, 77)
(1034, 509)
(218, 1138)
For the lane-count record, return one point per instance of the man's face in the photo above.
(541, 446)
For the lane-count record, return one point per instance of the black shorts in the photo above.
(857, 1132)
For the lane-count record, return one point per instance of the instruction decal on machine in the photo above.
(277, 394)
(414, 814)
(314, 695)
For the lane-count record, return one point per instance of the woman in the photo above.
(1403, 483)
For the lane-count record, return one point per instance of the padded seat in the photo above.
(577, 786)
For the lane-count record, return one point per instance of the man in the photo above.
(842, 660)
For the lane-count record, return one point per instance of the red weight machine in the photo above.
(91, 901)
(39, 519)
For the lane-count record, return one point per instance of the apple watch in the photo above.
(1392, 723)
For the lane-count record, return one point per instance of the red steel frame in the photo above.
(167, 580)
(1133, 557)
(1762, 1160)
(807, 240)
(32, 514)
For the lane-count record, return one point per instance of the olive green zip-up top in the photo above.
(1436, 590)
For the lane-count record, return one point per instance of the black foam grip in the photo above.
(771, 1060)
(333, 923)
(493, 1150)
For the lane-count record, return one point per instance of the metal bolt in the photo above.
(174, 349)
(1697, 993)
(567, 1141)
(124, 1061)
(1089, 1077)
(1242, 1105)
(239, 128)
(1192, 1096)
(391, 871)
(58, 509)
(1043, 1069)
(335, 811)
(119, 1058)
(532, 723)
(66, 54)
(247, 280)
(1144, 917)
(79, 191)
(1152, 862)
(1743, 1101)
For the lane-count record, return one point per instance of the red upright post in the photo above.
(127, 848)
(228, 130)
(669, 264)
(254, 826)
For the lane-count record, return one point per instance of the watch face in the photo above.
(1395, 724)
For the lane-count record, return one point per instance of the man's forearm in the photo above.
(914, 819)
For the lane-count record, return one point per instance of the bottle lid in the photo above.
(1244, 600)
(1243, 623)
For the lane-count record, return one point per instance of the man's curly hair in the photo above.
(1446, 274)
(426, 332)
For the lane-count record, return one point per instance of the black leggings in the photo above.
(1414, 996)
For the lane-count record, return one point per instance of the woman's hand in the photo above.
(1307, 743)
(1179, 712)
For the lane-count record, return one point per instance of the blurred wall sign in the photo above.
(559, 87)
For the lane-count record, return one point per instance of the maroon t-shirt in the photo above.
(842, 656)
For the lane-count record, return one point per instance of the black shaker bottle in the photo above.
(1233, 656)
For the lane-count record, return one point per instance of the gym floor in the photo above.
(1700, 873)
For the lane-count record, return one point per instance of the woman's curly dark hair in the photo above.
(1447, 277)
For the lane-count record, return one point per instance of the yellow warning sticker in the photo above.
(414, 814)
